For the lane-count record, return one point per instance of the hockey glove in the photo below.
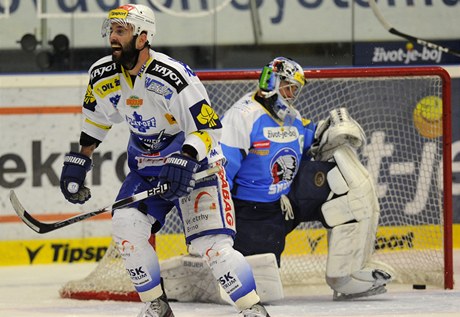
(73, 176)
(178, 172)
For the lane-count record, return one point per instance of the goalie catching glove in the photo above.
(73, 177)
(338, 129)
(178, 173)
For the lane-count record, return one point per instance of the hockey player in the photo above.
(174, 133)
(266, 142)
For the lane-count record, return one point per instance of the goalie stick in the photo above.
(411, 38)
(41, 227)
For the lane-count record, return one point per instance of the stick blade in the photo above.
(24, 215)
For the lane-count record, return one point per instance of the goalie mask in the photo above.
(280, 83)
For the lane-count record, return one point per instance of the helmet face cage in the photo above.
(139, 17)
(284, 78)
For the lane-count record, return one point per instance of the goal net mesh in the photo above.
(401, 113)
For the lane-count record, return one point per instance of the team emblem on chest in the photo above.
(138, 122)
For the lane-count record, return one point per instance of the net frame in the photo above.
(332, 74)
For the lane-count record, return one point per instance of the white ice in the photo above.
(33, 291)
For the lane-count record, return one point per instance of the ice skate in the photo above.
(381, 279)
(157, 308)
(256, 310)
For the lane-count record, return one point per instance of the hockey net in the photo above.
(406, 115)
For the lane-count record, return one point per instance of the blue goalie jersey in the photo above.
(263, 155)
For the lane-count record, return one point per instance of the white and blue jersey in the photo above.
(263, 155)
(165, 107)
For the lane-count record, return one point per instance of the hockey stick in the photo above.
(41, 227)
(411, 38)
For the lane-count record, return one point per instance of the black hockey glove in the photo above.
(73, 176)
(178, 172)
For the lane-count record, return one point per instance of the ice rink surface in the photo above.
(33, 291)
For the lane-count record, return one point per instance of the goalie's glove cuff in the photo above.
(178, 173)
(73, 177)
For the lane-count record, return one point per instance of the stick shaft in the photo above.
(41, 227)
(411, 38)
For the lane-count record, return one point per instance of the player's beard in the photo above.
(128, 55)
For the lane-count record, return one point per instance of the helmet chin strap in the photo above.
(130, 60)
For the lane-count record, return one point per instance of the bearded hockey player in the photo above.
(174, 133)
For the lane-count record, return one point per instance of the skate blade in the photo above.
(344, 297)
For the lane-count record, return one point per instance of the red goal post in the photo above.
(406, 114)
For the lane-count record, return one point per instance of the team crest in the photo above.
(283, 168)
(204, 116)
(141, 124)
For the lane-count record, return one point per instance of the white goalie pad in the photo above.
(353, 217)
(352, 183)
(337, 130)
(189, 279)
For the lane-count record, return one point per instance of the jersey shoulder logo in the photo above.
(204, 116)
(168, 73)
(89, 102)
(103, 70)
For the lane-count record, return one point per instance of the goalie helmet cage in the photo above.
(408, 155)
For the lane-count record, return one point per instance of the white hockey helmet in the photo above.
(288, 75)
(139, 16)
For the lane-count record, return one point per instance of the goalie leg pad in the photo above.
(353, 218)
(351, 180)
(347, 257)
(189, 279)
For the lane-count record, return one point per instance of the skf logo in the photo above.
(229, 282)
(134, 101)
(137, 274)
(226, 279)
(205, 117)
